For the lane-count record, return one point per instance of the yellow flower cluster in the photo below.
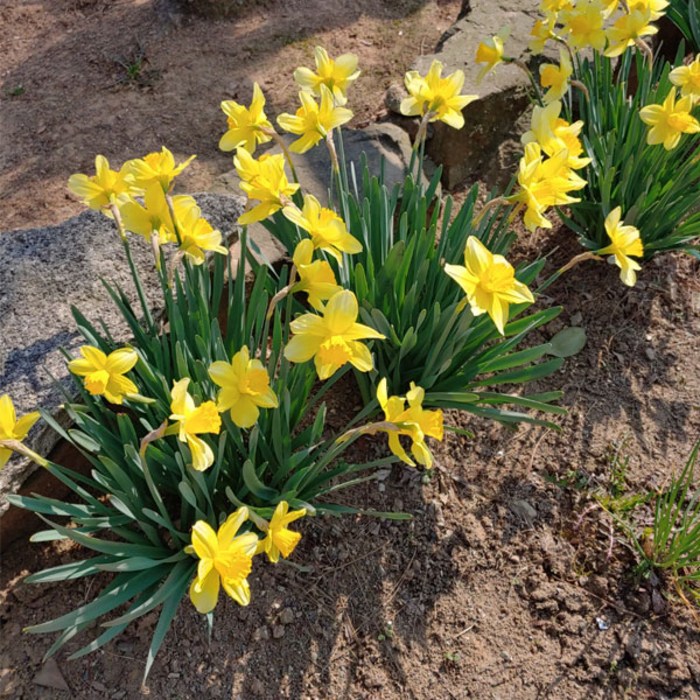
(546, 174)
(138, 198)
(608, 26)
(226, 557)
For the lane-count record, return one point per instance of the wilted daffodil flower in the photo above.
(413, 422)
(104, 374)
(624, 241)
(245, 388)
(157, 167)
(583, 24)
(489, 53)
(247, 126)
(327, 230)
(668, 121)
(103, 189)
(332, 339)
(336, 74)
(193, 420)
(12, 428)
(225, 561)
(313, 121)
(316, 277)
(436, 96)
(264, 180)
(556, 78)
(489, 283)
(687, 78)
(280, 539)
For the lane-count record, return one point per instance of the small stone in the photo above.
(50, 676)
(650, 353)
(393, 97)
(99, 687)
(524, 510)
(278, 631)
(261, 634)
(287, 616)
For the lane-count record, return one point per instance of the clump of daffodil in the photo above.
(489, 282)
(104, 189)
(435, 97)
(13, 429)
(687, 78)
(197, 235)
(335, 74)
(333, 338)
(279, 538)
(555, 79)
(327, 230)
(314, 120)
(225, 561)
(583, 24)
(264, 180)
(544, 183)
(248, 127)
(245, 388)
(668, 121)
(316, 277)
(554, 134)
(413, 422)
(489, 53)
(191, 421)
(103, 375)
(157, 167)
(624, 241)
(629, 29)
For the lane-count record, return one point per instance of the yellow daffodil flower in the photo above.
(687, 78)
(316, 277)
(225, 561)
(327, 230)
(556, 78)
(489, 53)
(542, 31)
(280, 539)
(654, 7)
(544, 183)
(197, 235)
(264, 180)
(332, 339)
(583, 24)
(247, 126)
(669, 120)
(554, 134)
(157, 167)
(104, 374)
(489, 282)
(625, 241)
(336, 74)
(549, 7)
(193, 420)
(414, 422)
(12, 428)
(104, 188)
(313, 121)
(436, 96)
(627, 29)
(245, 388)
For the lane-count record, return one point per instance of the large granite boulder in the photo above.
(487, 146)
(44, 272)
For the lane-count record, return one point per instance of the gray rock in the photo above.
(43, 272)
(50, 676)
(486, 143)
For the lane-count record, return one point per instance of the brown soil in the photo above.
(509, 582)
